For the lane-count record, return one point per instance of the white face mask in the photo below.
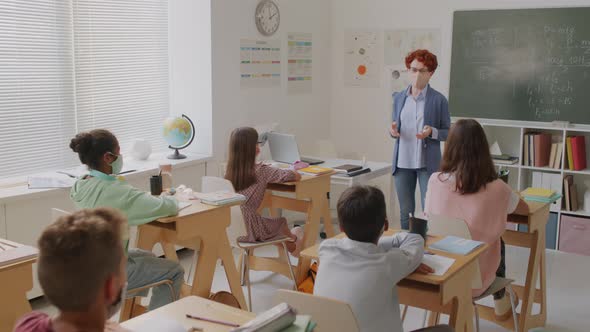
(419, 80)
(114, 307)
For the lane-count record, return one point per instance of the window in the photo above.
(77, 65)
(37, 113)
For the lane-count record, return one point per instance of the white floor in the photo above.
(568, 290)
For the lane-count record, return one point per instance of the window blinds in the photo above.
(37, 113)
(121, 67)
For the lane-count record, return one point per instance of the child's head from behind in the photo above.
(96, 148)
(467, 156)
(362, 213)
(243, 149)
(82, 261)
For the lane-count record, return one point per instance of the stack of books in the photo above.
(220, 198)
(552, 181)
(576, 153)
(12, 252)
(504, 159)
(315, 170)
(347, 168)
(539, 151)
(281, 317)
(542, 195)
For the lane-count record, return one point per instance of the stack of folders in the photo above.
(220, 198)
(456, 245)
(281, 317)
(542, 195)
(315, 170)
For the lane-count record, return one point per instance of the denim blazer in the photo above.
(436, 115)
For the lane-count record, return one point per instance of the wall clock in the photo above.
(267, 17)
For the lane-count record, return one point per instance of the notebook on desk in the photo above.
(456, 245)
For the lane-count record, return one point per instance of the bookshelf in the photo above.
(510, 137)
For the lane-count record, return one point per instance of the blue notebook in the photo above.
(456, 245)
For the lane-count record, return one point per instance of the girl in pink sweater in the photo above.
(467, 187)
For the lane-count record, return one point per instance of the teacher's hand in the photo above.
(425, 132)
(393, 130)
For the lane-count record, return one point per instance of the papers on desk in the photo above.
(158, 323)
(50, 180)
(440, 264)
(12, 252)
(183, 205)
(220, 197)
(275, 319)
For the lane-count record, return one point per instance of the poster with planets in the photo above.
(398, 43)
(362, 59)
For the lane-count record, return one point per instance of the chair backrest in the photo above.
(444, 225)
(56, 213)
(237, 227)
(329, 314)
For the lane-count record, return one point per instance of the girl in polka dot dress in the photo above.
(250, 179)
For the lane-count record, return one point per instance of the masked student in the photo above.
(99, 150)
(81, 269)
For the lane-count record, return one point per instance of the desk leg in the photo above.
(312, 226)
(327, 217)
(530, 283)
(205, 268)
(461, 317)
(16, 282)
(231, 272)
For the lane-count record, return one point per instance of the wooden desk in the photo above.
(449, 293)
(196, 306)
(16, 280)
(197, 222)
(311, 197)
(534, 239)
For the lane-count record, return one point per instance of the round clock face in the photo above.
(267, 17)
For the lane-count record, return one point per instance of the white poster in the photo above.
(398, 43)
(299, 63)
(260, 63)
(362, 59)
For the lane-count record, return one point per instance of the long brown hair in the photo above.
(467, 156)
(242, 157)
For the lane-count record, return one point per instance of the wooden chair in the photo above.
(443, 225)
(237, 228)
(329, 314)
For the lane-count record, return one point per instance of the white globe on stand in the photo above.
(141, 149)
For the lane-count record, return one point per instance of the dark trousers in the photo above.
(501, 271)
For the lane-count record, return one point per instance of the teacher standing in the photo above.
(421, 121)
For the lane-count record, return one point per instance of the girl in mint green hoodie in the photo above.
(100, 151)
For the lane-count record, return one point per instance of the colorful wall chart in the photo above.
(260, 63)
(299, 68)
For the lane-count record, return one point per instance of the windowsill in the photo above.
(17, 188)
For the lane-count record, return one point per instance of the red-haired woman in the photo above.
(420, 121)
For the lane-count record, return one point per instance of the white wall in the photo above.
(306, 115)
(360, 117)
(189, 43)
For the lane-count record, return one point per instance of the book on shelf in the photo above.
(570, 155)
(456, 245)
(504, 159)
(541, 149)
(220, 197)
(532, 149)
(315, 170)
(525, 157)
(568, 182)
(552, 155)
(579, 152)
(558, 153)
(573, 197)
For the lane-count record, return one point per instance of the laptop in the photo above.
(283, 148)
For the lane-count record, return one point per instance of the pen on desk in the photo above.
(65, 173)
(195, 329)
(213, 320)
(128, 171)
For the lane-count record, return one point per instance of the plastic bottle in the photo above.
(166, 171)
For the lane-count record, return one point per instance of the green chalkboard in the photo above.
(524, 64)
